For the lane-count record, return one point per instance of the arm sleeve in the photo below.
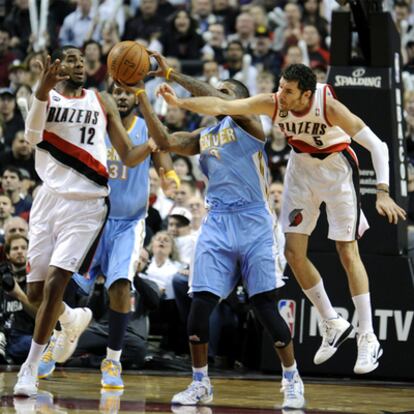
(35, 121)
(379, 153)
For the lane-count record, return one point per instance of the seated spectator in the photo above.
(198, 211)
(13, 226)
(20, 156)
(95, 69)
(10, 114)
(18, 74)
(6, 211)
(239, 66)
(158, 201)
(12, 184)
(164, 263)
(6, 55)
(18, 313)
(147, 22)
(179, 227)
(216, 39)
(180, 38)
(76, 28)
(161, 270)
(175, 119)
(317, 54)
(278, 151)
(109, 37)
(184, 193)
(263, 57)
(183, 167)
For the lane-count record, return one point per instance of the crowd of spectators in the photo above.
(251, 41)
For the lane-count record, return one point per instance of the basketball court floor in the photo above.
(78, 391)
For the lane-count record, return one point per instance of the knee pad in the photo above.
(265, 306)
(202, 305)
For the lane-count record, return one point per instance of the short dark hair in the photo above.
(240, 88)
(92, 42)
(11, 239)
(235, 42)
(302, 74)
(14, 170)
(59, 53)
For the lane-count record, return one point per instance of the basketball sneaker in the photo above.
(334, 332)
(111, 374)
(26, 385)
(293, 390)
(369, 351)
(69, 335)
(47, 363)
(200, 391)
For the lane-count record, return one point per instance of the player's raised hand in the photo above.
(162, 68)
(51, 74)
(386, 206)
(168, 93)
(168, 185)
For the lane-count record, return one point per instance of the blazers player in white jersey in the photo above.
(322, 168)
(67, 124)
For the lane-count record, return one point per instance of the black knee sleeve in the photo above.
(265, 307)
(202, 305)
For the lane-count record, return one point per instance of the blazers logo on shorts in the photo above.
(295, 217)
(287, 309)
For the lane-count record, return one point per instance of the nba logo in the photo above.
(287, 309)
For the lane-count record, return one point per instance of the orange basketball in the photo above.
(128, 62)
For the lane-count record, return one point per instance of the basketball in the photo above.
(128, 62)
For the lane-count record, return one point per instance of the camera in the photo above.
(7, 277)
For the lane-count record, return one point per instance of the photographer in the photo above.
(17, 313)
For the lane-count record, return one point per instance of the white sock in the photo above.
(113, 355)
(363, 308)
(292, 368)
(200, 373)
(35, 353)
(68, 315)
(317, 295)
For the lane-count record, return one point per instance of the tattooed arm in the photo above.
(194, 86)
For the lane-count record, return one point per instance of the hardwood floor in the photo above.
(78, 391)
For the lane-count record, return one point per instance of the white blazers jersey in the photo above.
(71, 158)
(311, 132)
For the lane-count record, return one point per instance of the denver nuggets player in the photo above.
(322, 168)
(239, 229)
(122, 239)
(68, 125)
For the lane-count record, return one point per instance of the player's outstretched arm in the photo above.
(338, 114)
(129, 154)
(184, 143)
(195, 86)
(262, 104)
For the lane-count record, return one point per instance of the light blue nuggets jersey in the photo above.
(235, 164)
(129, 186)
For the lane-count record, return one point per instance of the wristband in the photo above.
(139, 91)
(173, 176)
(168, 74)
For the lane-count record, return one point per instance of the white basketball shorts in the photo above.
(311, 181)
(63, 233)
